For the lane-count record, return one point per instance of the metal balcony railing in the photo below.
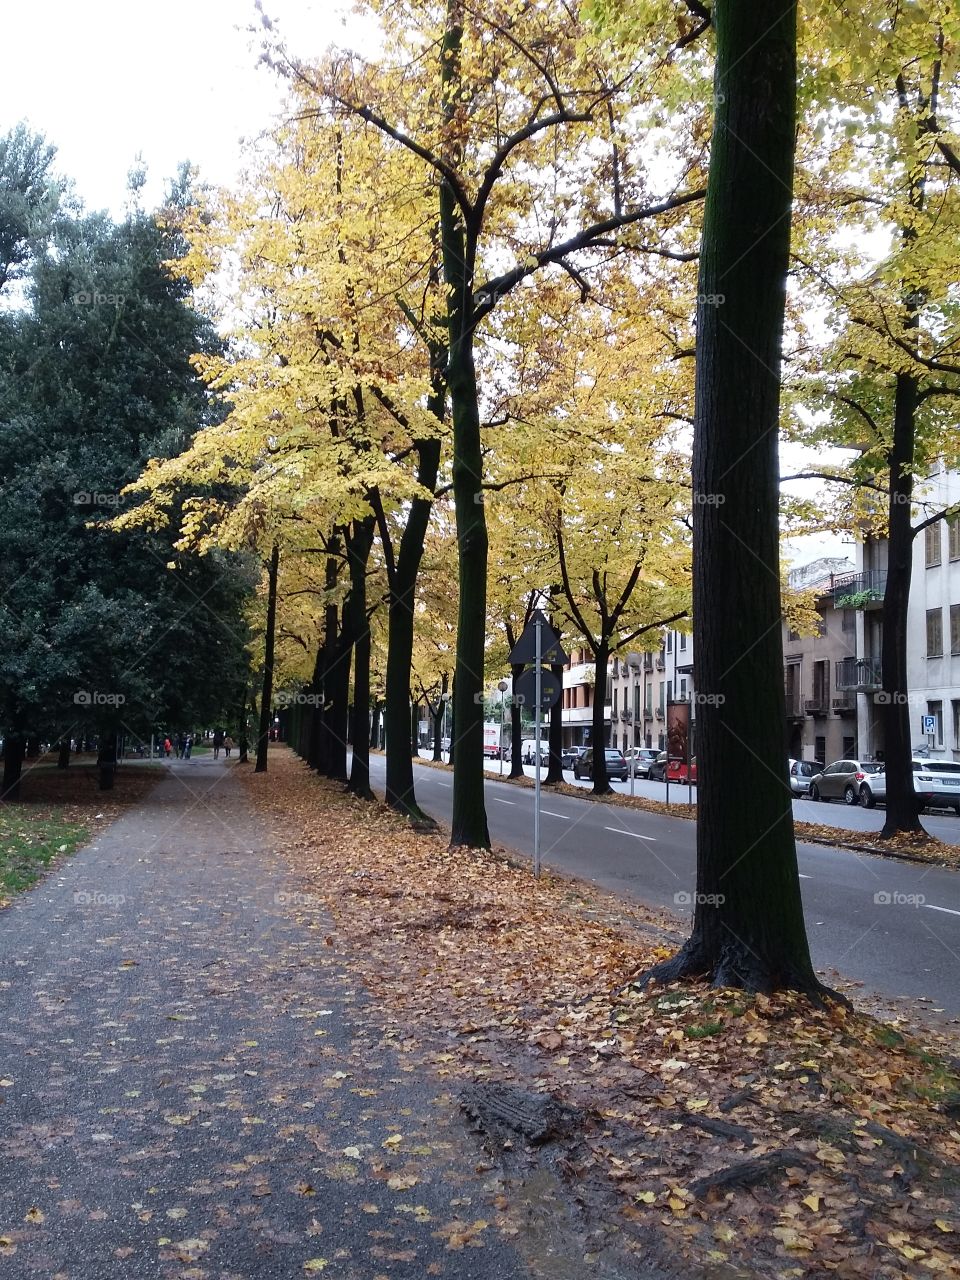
(858, 674)
(858, 590)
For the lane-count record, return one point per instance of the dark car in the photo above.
(616, 764)
(570, 755)
(658, 770)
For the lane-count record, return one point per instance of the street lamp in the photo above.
(503, 686)
(445, 699)
(634, 663)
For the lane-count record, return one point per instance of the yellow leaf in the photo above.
(352, 1152)
(314, 1264)
(943, 1225)
(676, 1204)
(812, 1202)
(647, 1197)
(394, 1140)
(33, 1214)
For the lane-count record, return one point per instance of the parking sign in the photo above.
(929, 724)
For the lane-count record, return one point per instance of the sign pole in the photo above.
(536, 776)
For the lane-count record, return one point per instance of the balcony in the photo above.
(858, 675)
(648, 713)
(659, 713)
(859, 590)
(845, 703)
(661, 662)
(794, 701)
(626, 714)
(816, 706)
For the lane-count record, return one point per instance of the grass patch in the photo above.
(29, 841)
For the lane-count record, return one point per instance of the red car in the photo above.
(677, 771)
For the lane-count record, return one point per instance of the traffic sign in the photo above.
(525, 650)
(525, 687)
(929, 724)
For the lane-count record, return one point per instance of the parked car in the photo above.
(677, 771)
(528, 752)
(843, 779)
(800, 773)
(639, 760)
(658, 769)
(616, 764)
(570, 755)
(936, 782)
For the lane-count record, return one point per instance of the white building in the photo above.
(638, 699)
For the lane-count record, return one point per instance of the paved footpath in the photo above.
(185, 1085)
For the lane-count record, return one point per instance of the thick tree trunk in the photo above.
(748, 928)
(516, 728)
(107, 759)
(63, 753)
(33, 747)
(13, 752)
(902, 813)
(469, 822)
(555, 768)
(266, 695)
(376, 713)
(359, 553)
(400, 792)
(337, 702)
(598, 729)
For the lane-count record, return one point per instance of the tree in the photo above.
(488, 113)
(748, 928)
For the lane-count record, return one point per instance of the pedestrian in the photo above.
(218, 736)
(179, 746)
(187, 746)
(167, 746)
(227, 745)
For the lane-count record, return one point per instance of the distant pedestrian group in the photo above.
(184, 746)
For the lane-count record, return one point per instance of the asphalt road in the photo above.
(894, 926)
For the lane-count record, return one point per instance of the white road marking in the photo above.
(803, 877)
(499, 801)
(551, 814)
(448, 785)
(949, 910)
(636, 835)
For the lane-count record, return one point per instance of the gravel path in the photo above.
(185, 1088)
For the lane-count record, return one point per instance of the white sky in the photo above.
(174, 81)
(108, 80)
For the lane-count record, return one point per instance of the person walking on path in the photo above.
(187, 746)
(179, 746)
(227, 745)
(167, 746)
(218, 736)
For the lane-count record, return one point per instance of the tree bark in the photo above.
(469, 821)
(266, 696)
(13, 752)
(400, 789)
(902, 812)
(107, 759)
(516, 728)
(358, 555)
(598, 730)
(748, 928)
(555, 768)
(63, 754)
(374, 739)
(337, 696)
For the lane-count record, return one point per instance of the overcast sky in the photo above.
(178, 81)
(113, 79)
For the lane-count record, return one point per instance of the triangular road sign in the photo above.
(525, 650)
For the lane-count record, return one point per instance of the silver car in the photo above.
(801, 772)
(843, 779)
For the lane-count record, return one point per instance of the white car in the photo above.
(936, 782)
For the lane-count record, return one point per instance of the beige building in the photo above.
(821, 707)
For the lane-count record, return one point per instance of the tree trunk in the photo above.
(376, 713)
(242, 730)
(358, 555)
(555, 768)
(516, 728)
(598, 730)
(400, 792)
(902, 812)
(469, 822)
(748, 928)
(337, 697)
(13, 753)
(63, 754)
(266, 696)
(107, 759)
(33, 747)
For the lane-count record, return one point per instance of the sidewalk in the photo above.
(184, 1092)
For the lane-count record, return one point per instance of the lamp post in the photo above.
(503, 686)
(445, 699)
(634, 664)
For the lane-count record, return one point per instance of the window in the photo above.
(616, 692)
(683, 640)
(821, 683)
(792, 636)
(956, 724)
(669, 642)
(849, 746)
(669, 690)
(849, 620)
(683, 688)
(934, 633)
(936, 709)
(953, 524)
(821, 624)
(955, 628)
(820, 749)
(931, 544)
